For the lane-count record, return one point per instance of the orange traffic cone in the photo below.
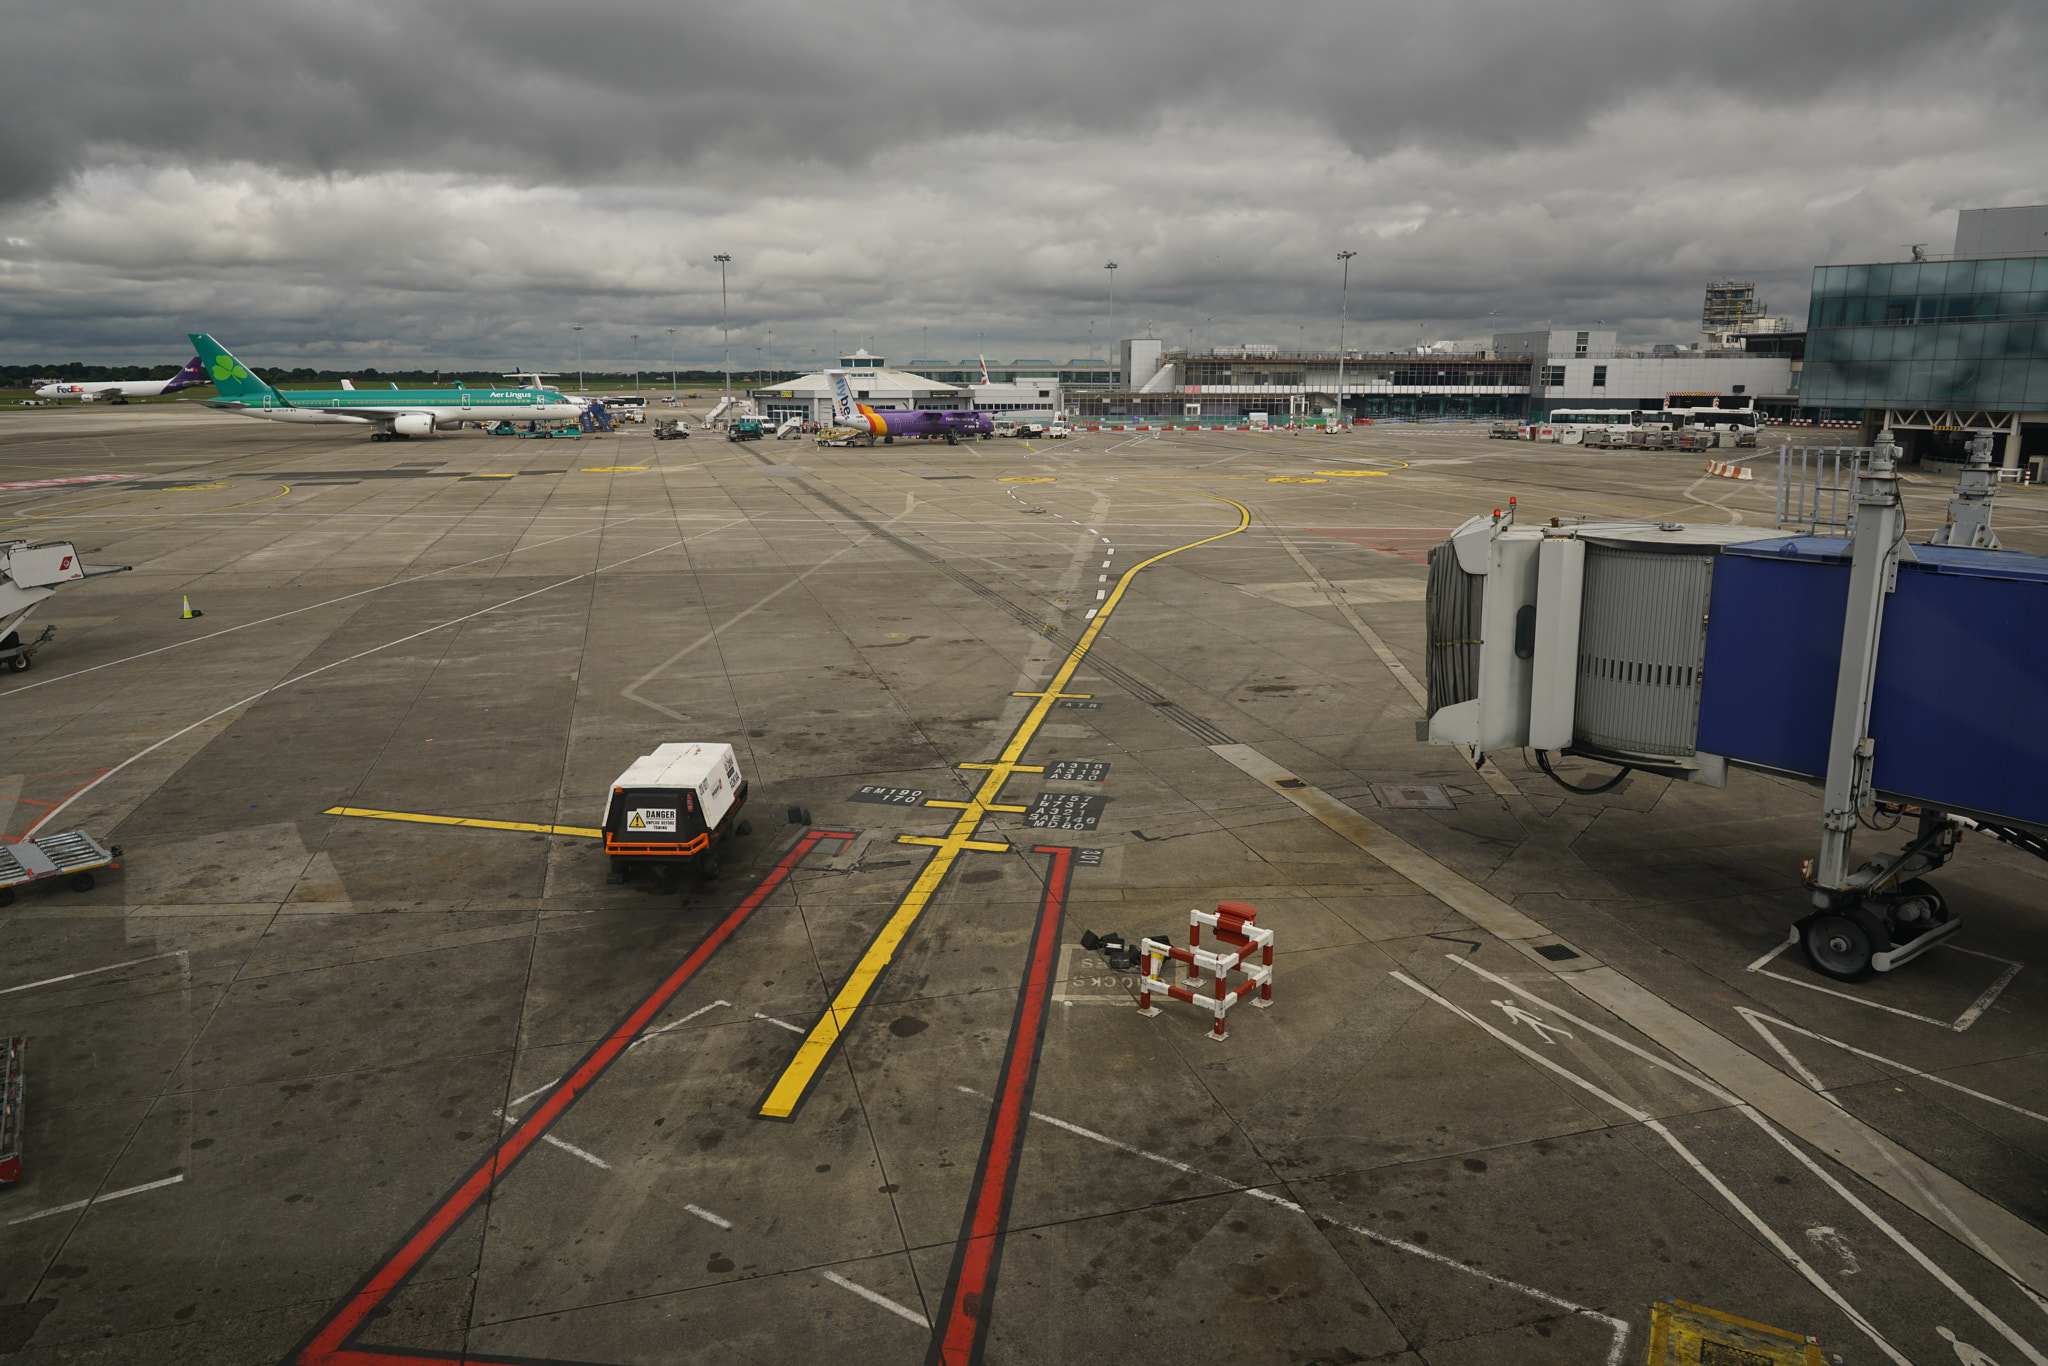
(189, 613)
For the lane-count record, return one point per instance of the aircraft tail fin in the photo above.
(192, 374)
(984, 368)
(844, 414)
(230, 377)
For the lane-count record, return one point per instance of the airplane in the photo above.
(891, 423)
(121, 390)
(397, 414)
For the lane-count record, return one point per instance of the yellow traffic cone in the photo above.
(189, 613)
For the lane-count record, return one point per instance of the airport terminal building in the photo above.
(1940, 348)
(880, 386)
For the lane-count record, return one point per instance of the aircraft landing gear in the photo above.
(952, 440)
(888, 441)
(1884, 918)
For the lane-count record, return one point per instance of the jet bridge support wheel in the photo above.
(1840, 941)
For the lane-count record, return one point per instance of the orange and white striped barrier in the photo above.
(1722, 470)
(1239, 938)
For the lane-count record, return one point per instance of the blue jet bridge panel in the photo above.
(1962, 671)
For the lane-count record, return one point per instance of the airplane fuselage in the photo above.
(952, 423)
(403, 412)
(90, 391)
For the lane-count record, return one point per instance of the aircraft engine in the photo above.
(413, 424)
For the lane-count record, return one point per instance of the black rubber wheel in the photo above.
(1920, 889)
(6, 896)
(799, 816)
(81, 882)
(743, 829)
(20, 664)
(707, 871)
(1839, 944)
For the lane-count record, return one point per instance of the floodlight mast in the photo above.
(1343, 316)
(577, 328)
(723, 326)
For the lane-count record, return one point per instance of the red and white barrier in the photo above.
(1239, 938)
(1722, 470)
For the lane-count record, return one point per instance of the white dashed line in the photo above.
(708, 1217)
(675, 1024)
(1101, 593)
(592, 1158)
(872, 1298)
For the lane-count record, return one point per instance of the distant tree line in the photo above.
(16, 376)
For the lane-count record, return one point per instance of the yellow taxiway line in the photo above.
(789, 1088)
(419, 818)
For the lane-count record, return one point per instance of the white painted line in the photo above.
(1758, 1022)
(95, 1200)
(673, 1024)
(592, 1158)
(1982, 1310)
(1102, 578)
(575, 1151)
(1091, 612)
(1959, 1024)
(794, 1029)
(1101, 593)
(297, 678)
(1619, 1327)
(708, 1217)
(69, 976)
(871, 1297)
(264, 621)
(1784, 1249)
(529, 1096)
(1592, 1028)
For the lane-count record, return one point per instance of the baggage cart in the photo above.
(73, 855)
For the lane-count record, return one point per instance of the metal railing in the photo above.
(1817, 488)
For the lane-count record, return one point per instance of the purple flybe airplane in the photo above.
(890, 423)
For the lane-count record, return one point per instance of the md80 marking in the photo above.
(396, 415)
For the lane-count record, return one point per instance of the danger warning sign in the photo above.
(656, 818)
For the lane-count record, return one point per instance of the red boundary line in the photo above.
(328, 1344)
(962, 1329)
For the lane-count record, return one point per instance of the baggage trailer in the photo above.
(73, 855)
(675, 808)
(1854, 662)
(12, 1086)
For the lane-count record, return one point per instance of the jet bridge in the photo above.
(29, 573)
(1903, 680)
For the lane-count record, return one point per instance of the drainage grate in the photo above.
(1556, 953)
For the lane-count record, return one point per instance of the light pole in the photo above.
(577, 328)
(1111, 268)
(1343, 317)
(723, 327)
(636, 360)
(671, 364)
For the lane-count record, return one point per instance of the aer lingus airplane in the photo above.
(394, 413)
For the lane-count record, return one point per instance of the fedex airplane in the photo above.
(396, 414)
(891, 423)
(121, 390)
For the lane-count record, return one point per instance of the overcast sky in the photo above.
(359, 183)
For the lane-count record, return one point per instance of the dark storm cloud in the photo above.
(397, 180)
(550, 92)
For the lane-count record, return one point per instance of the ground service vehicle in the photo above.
(675, 808)
(744, 429)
